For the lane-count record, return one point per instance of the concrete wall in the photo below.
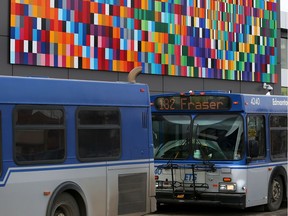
(156, 83)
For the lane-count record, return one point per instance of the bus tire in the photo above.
(65, 205)
(275, 193)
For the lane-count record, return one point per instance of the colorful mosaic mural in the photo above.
(222, 39)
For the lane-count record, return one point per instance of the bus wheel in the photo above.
(275, 194)
(65, 205)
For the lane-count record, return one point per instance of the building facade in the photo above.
(182, 45)
(284, 51)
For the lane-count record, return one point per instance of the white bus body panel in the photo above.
(258, 181)
(258, 178)
(113, 186)
(254, 177)
(99, 183)
(28, 189)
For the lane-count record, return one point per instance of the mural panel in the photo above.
(222, 39)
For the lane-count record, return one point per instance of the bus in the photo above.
(75, 148)
(222, 148)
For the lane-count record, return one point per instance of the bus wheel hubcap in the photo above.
(276, 190)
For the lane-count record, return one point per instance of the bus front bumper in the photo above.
(226, 199)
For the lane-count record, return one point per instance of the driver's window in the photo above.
(171, 135)
(256, 136)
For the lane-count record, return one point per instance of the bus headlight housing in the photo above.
(227, 187)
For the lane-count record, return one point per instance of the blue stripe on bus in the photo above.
(219, 166)
(67, 167)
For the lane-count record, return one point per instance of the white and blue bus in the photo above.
(75, 148)
(220, 148)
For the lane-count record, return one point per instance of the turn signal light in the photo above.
(226, 179)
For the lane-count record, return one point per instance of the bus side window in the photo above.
(256, 136)
(99, 133)
(39, 134)
(278, 137)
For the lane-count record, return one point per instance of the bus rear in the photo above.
(216, 147)
(75, 148)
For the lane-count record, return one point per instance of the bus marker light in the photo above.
(269, 169)
(227, 179)
(156, 177)
(46, 193)
(236, 102)
(191, 93)
(202, 93)
(142, 90)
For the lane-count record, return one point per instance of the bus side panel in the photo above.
(25, 185)
(135, 133)
(27, 189)
(26, 195)
(127, 189)
(257, 179)
(128, 183)
(93, 182)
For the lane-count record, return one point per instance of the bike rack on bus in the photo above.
(194, 194)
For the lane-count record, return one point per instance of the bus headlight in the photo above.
(227, 187)
(156, 184)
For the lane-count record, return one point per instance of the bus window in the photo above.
(278, 137)
(256, 136)
(215, 137)
(170, 134)
(219, 137)
(98, 134)
(38, 134)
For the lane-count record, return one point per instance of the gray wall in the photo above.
(156, 83)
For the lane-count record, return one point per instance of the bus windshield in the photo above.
(205, 137)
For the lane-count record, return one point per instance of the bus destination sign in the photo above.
(193, 102)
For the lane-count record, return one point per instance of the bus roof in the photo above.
(238, 102)
(31, 90)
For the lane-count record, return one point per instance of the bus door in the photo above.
(257, 172)
(5, 139)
